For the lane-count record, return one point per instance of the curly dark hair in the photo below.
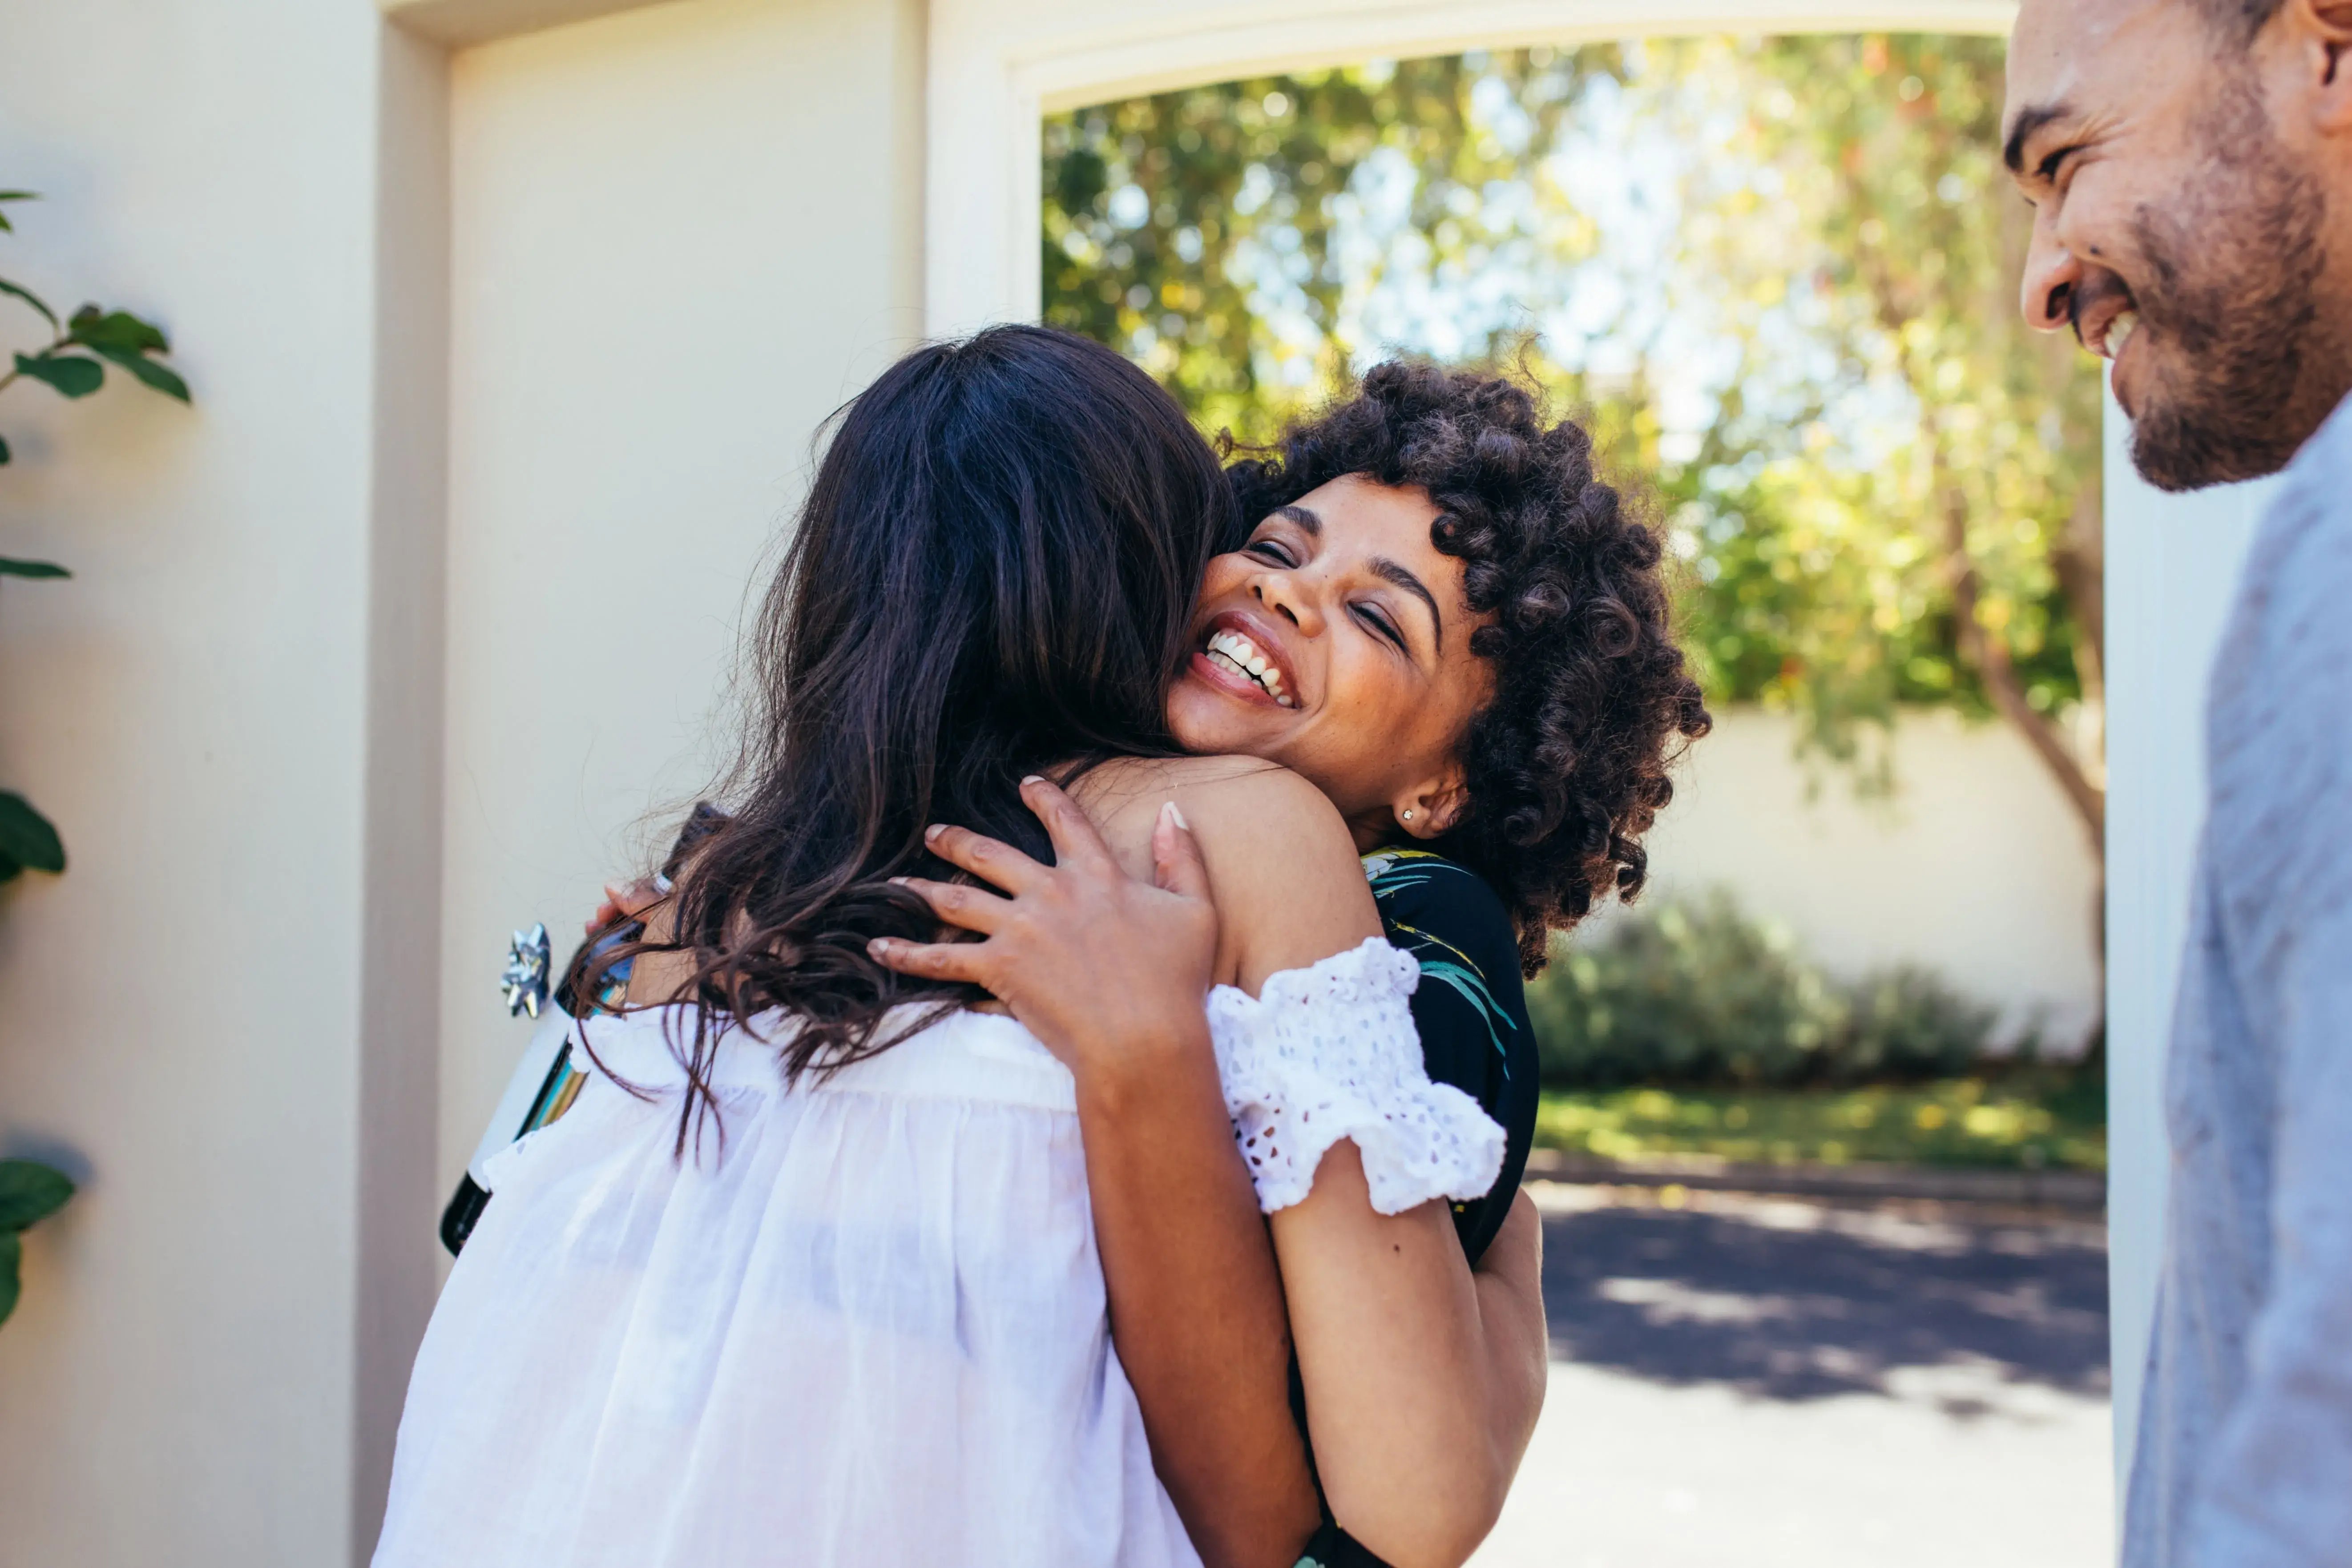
(1566, 769)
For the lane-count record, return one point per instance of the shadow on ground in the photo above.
(1796, 1302)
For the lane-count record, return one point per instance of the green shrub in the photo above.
(1907, 1023)
(1703, 994)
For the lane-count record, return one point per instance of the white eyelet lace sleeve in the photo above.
(1331, 1052)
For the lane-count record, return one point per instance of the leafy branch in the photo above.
(80, 347)
(72, 364)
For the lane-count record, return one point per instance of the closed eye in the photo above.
(1271, 550)
(1377, 620)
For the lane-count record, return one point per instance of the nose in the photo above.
(1286, 596)
(2051, 275)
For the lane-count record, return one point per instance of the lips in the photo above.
(2106, 314)
(2106, 335)
(1232, 651)
(2106, 318)
(2119, 330)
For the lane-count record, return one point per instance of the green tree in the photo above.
(1204, 231)
(1776, 273)
(1989, 517)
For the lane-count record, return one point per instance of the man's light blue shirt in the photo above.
(2244, 1457)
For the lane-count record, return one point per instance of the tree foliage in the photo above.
(1776, 275)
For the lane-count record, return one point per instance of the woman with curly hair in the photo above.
(1437, 613)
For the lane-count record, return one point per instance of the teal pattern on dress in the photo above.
(1392, 871)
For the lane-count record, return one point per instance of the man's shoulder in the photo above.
(2318, 485)
(2282, 678)
(2299, 573)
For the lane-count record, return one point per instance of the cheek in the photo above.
(2087, 228)
(2093, 218)
(1381, 711)
(1223, 577)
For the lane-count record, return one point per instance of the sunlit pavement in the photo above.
(1764, 1382)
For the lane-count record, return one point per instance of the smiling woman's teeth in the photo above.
(1242, 655)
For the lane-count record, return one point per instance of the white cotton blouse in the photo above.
(862, 1320)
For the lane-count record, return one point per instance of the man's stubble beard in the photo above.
(2236, 270)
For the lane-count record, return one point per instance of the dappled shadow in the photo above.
(1786, 1300)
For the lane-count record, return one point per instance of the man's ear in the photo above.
(1432, 807)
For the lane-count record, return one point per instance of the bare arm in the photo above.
(1423, 1379)
(1422, 1390)
(1196, 1305)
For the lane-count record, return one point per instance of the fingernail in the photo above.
(900, 881)
(662, 884)
(1173, 814)
(931, 833)
(1033, 778)
(879, 947)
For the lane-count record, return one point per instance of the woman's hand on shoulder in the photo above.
(1104, 969)
(1283, 868)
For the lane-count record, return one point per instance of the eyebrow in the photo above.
(2012, 151)
(1383, 567)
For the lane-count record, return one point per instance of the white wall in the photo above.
(1975, 867)
(258, 717)
(682, 235)
(182, 1007)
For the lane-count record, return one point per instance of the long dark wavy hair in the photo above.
(993, 575)
(1567, 768)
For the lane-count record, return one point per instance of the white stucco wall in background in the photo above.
(179, 1013)
(226, 1016)
(1974, 866)
(681, 237)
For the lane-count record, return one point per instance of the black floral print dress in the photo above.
(1471, 1009)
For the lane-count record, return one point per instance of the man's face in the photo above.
(2174, 233)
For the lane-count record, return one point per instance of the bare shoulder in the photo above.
(1236, 807)
(1282, 868)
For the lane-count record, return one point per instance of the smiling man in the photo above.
(2190, 165)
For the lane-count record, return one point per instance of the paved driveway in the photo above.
(1763, 1381)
